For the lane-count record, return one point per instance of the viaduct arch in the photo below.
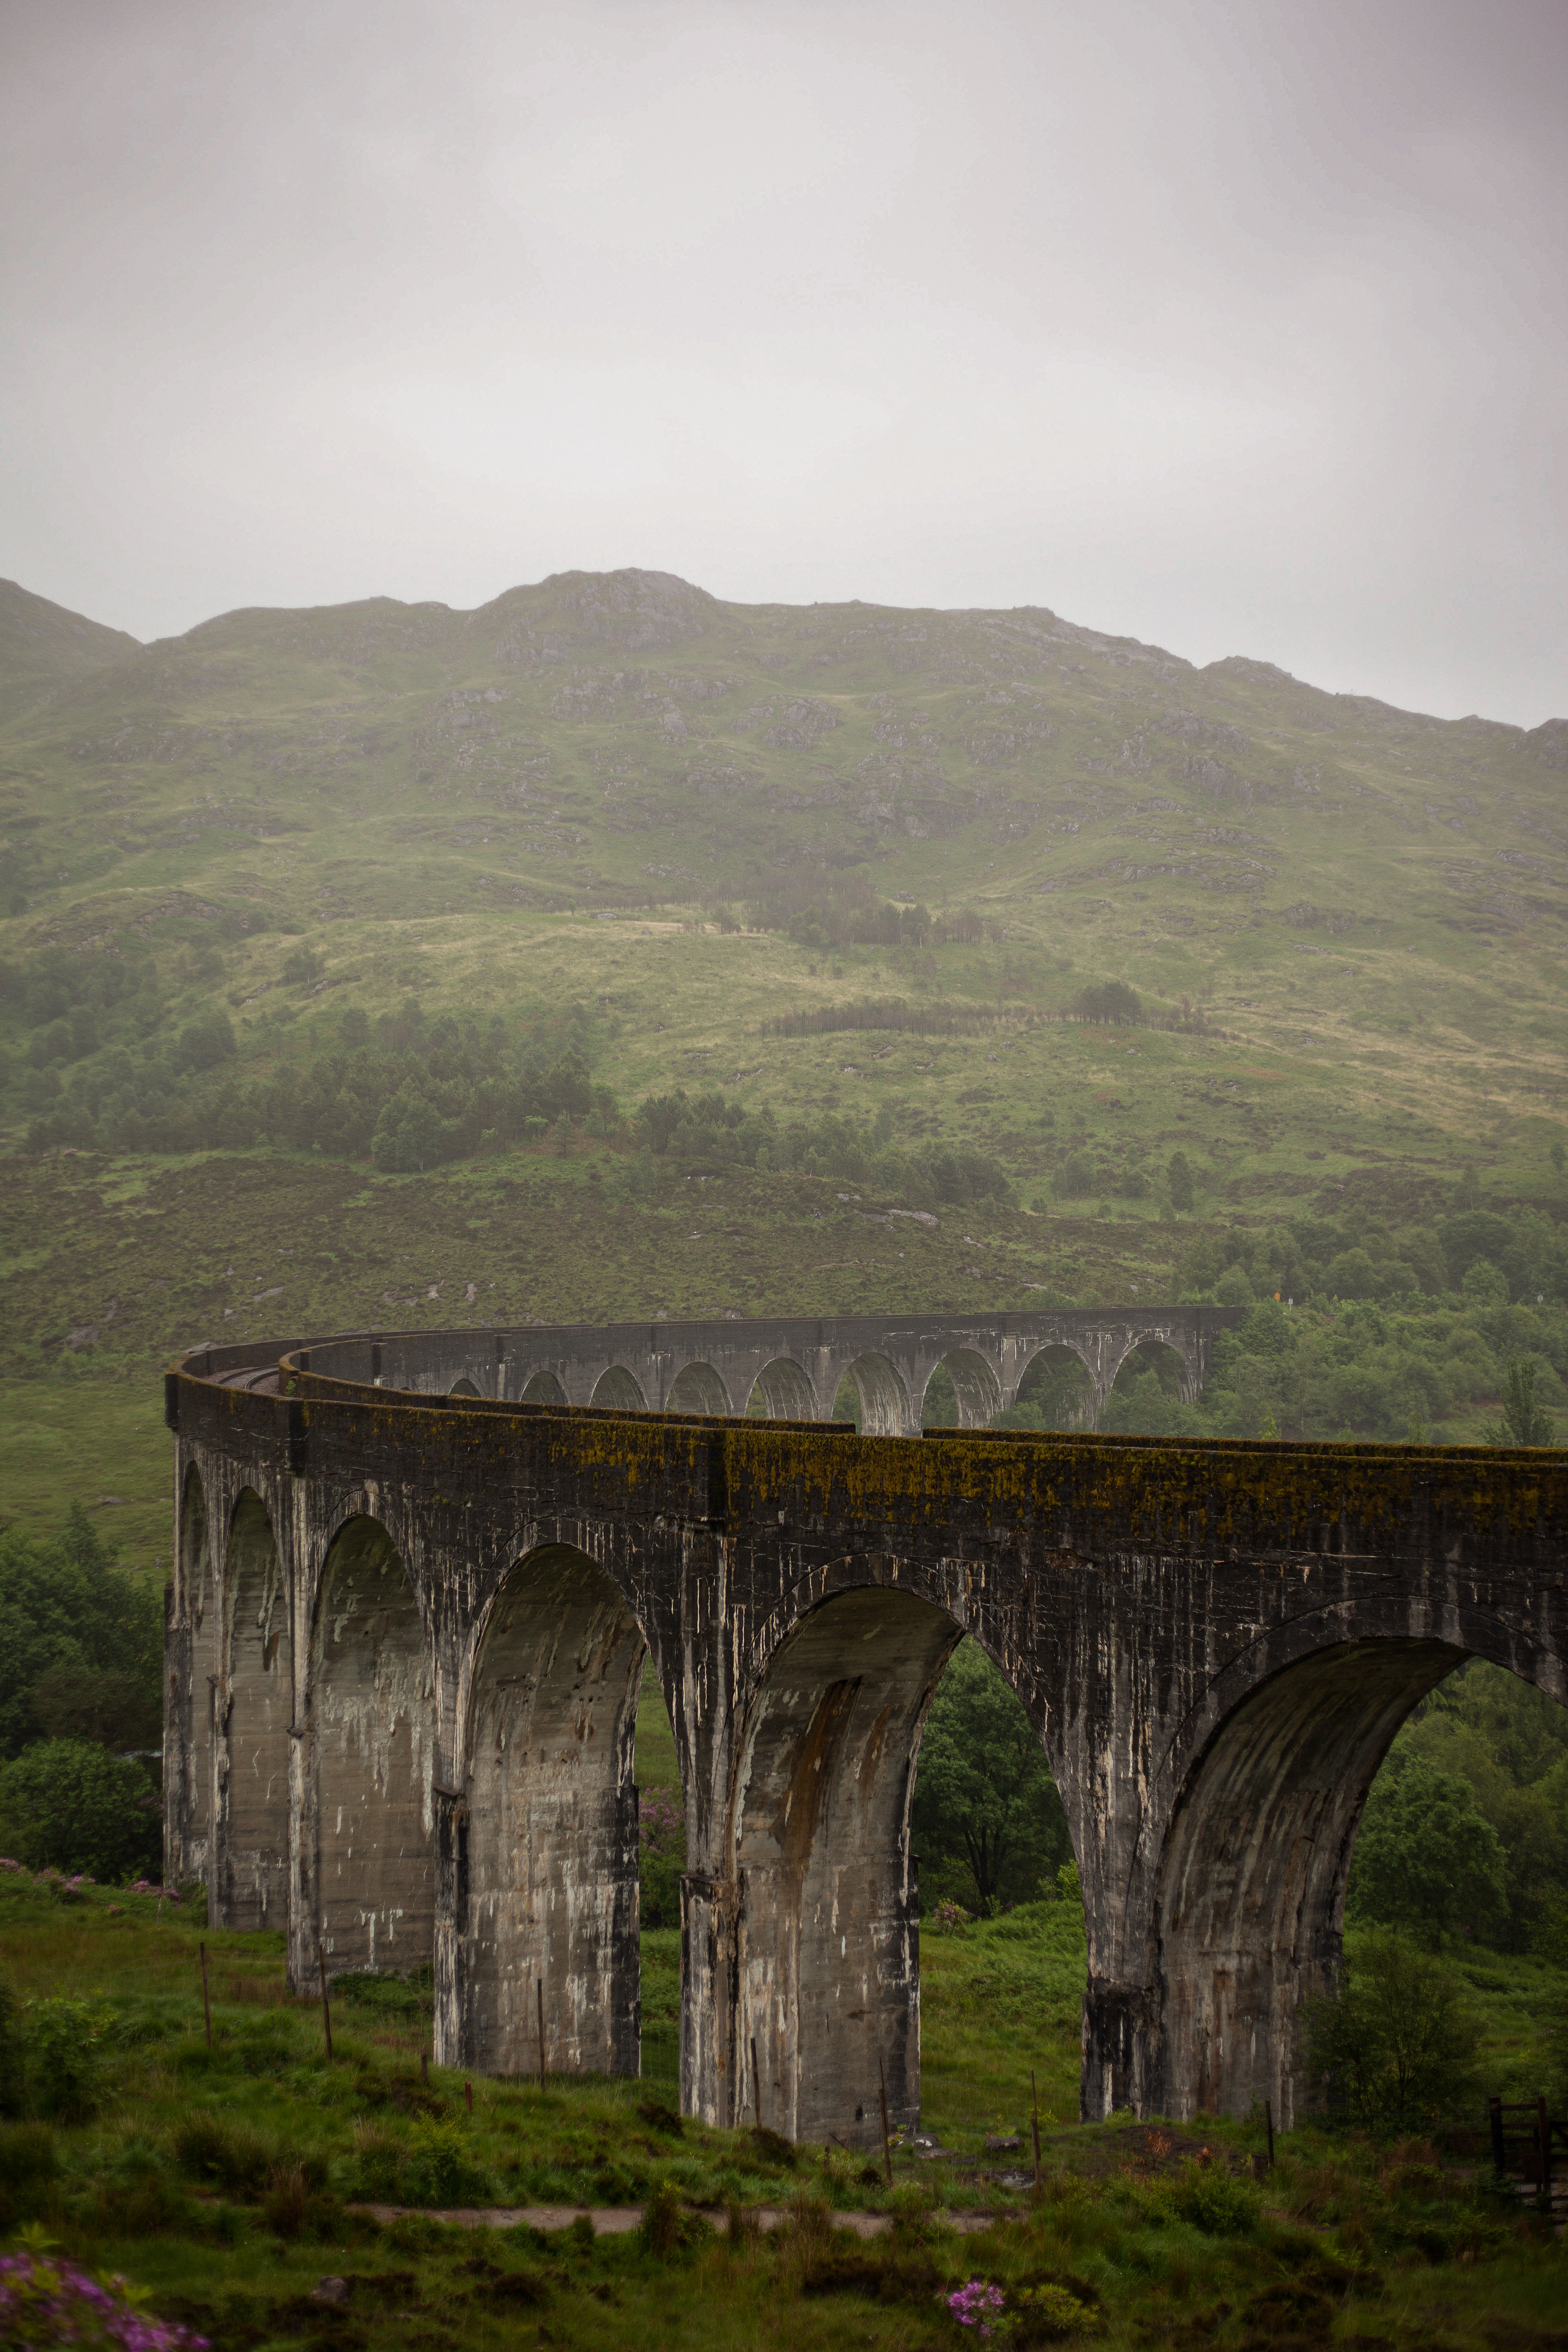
(412, 1604)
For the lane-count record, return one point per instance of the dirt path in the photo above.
(618, 2220)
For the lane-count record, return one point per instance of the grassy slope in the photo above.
(1396, 2245)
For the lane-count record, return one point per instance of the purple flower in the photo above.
(976, 2304)
(45, 2302)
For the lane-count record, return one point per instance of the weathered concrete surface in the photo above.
(1215, 1643)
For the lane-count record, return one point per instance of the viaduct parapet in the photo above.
(413, 1597)
(793, 1369)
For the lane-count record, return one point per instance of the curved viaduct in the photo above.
(411, 1606)
(791, 1368)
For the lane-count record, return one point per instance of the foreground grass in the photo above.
(226, 2182)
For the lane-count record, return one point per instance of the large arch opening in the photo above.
(548, 1913)
(828, 1913)
(617, 1389)
(872, 1395)
(1149, 1395)
(372, 1726)
(963, 1392)
(542, 1387)
(781, 1392)
(1249, 1905)
(1055, 1392)
(697, 1388)
(251, 1878)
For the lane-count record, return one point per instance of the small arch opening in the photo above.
(1148, 1396)
(992, 1834)
(963, 1392)
(542, 1387)
(464, 1387)
(781, 1392)
(372, 1722)
(697, 1388)
(988, 1819)
(872, 1395)
(1055, 1392)
(616, 1389)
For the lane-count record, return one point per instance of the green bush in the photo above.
(65, 2046)
(1397, 2041)
(1215, 2201)
(439, 2169)
(67, 1804)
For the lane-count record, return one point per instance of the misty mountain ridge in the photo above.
(625, 738)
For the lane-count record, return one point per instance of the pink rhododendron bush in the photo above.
(45, 2301)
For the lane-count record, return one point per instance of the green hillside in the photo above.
(345, 945)
(42, 647)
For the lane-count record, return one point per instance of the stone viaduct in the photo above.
(414, 1587)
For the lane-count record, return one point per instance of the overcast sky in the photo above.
(1239, 328)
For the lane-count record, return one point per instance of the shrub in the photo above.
(1397, 2041)
(1214, 2200)
(978, 2304)
(666, 2229)
(46, 2302)
(381, 2149)
(229, 2155)
(65, 2045)
(284, 2204)
(661, 1834)
(438, 2168)
(73, 1806)
(1049, 2314)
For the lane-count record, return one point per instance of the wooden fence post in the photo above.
(326, 2003)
